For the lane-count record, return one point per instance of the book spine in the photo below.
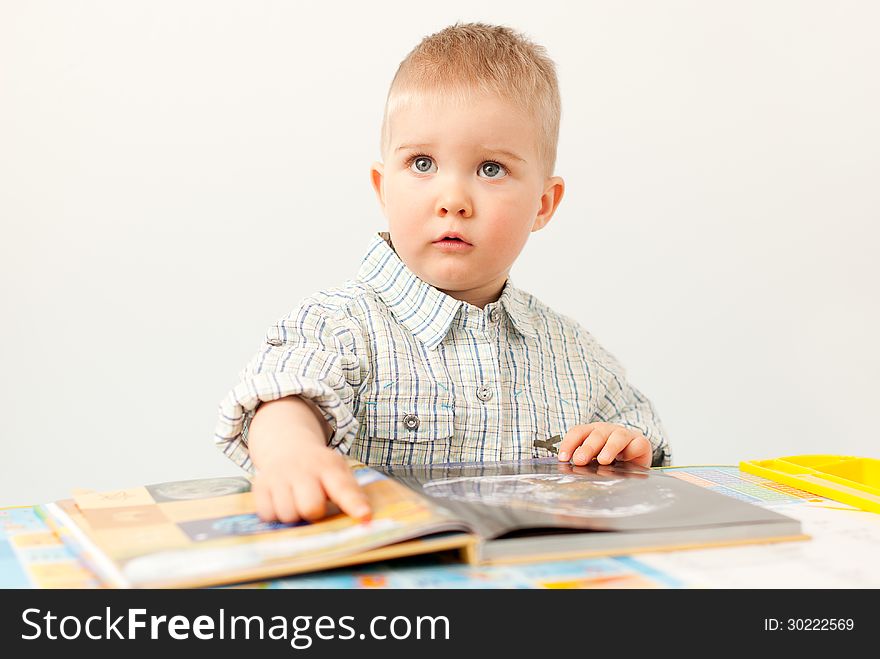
(470, 553)
(80, 546)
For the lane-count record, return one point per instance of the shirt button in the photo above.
(274, 342)
(493, 315)
(484, 393)
(411, 422)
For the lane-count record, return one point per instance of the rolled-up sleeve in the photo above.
(313, 352)
(617, 401)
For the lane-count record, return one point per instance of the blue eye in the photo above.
(493, 170)
(422, 165)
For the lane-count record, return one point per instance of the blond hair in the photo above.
(490, 59)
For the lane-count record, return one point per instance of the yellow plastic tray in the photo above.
(844, 478)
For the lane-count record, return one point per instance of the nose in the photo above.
(454, 199)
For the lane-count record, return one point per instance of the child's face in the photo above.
(473, 170)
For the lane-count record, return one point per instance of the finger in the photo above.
(263, 500)
(342, 488)
(638, 450)
(617, 441)
(591, 446)
(283, 502)
(310, 498)
(573, 438)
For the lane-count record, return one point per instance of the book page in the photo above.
(496, 498)
(185, 531)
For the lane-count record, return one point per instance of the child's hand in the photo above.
(304, 482)
(297, 474)
(605, 442)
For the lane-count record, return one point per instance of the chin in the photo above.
(447, 280)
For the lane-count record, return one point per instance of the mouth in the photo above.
(452, 239)
(452, 245)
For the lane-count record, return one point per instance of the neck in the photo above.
(481, 295)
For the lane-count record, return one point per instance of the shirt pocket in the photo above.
(410, 431)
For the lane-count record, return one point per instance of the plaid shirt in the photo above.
(407, 374)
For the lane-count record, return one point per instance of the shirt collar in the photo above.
(426, 311)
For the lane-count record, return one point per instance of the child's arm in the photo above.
(296, 473)
(298, 394)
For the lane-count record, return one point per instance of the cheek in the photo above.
(509, 219)
(401, 198)
(508, 244)
(507, 229)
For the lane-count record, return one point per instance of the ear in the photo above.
(377, 178)
(554, 188)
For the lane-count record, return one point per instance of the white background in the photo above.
(174, 176)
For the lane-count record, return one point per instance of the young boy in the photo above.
(431, 354)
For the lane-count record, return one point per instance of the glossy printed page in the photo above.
(496, 498)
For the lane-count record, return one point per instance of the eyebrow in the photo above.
(503, 152)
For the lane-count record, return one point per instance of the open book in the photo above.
(205, 532)
(546, 510)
